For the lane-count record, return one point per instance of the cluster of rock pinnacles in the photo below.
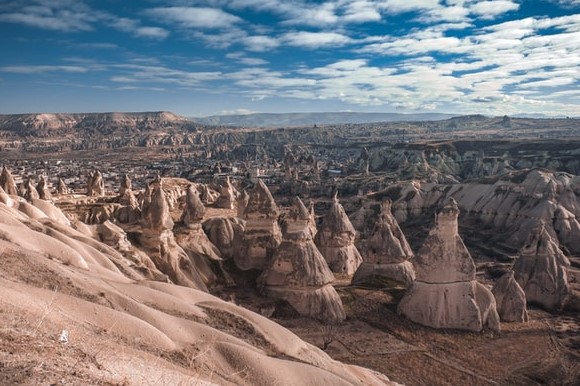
(297, 261)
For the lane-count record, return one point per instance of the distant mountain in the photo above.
(307, 119)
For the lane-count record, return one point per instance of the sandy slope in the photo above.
(125, 330)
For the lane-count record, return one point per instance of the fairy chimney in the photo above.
(510, 299)
(299, 274)
(386, 253)
(7, 182)
(541, 270)
(336, 240)
(42, 189)
(445, 293)
(262, 234)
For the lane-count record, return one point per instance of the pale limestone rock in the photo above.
(386, 252)
(42, 189)
(336, 240)
(242, 201)
(194, 210)
(203, 254)
(7, 182)
(126, 185)
(445, 293)
(228, 195)
(298, 272)
(224, 233)
(31, 192)
(61, 188)
(510, 299)
(96, 184)
(541, 270)
(262, 234)
(158, 241)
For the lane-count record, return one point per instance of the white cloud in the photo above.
(195, 17)
(152, 32)
(260, 43)
(315, 39)
(493, 8)
(39, 69)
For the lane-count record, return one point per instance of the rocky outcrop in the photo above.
(224, 233)
(242, 202)
(262, 234)
(445, 293)
(126, 185)
(510, 299)
(96, 184)
(541, 270)
(158, 241)
(42, 189)
(189, 234)
(7, 182)
(61, 188)
(30, 190)
(336, 240)
(228, 196)
(298, 272)
(386, 253)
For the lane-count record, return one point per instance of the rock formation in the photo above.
(541, 270)
(510, 299)
(61, 188)
(125, 185)
(336, 240)
(445, 293)
(224, 233)
(7, 182)
(159, 243)
(30, 192)
(262, 234)
(189, 234)
(386, 252)
(298, 272)
(95, 184)
(228, 196)
(242, 202)
(42, 189)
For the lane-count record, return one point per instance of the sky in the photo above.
(212, 57)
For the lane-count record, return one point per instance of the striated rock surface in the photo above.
(298, 272)
(262, 234)
(336, 240)
(386, 252)
(541, 270)
(445, 293)
(7, 182)
(510, 299)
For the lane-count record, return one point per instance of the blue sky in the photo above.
(205, 57)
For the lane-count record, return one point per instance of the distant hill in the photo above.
(307, 119)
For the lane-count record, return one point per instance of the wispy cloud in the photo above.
(39, 69)
(195, 17)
